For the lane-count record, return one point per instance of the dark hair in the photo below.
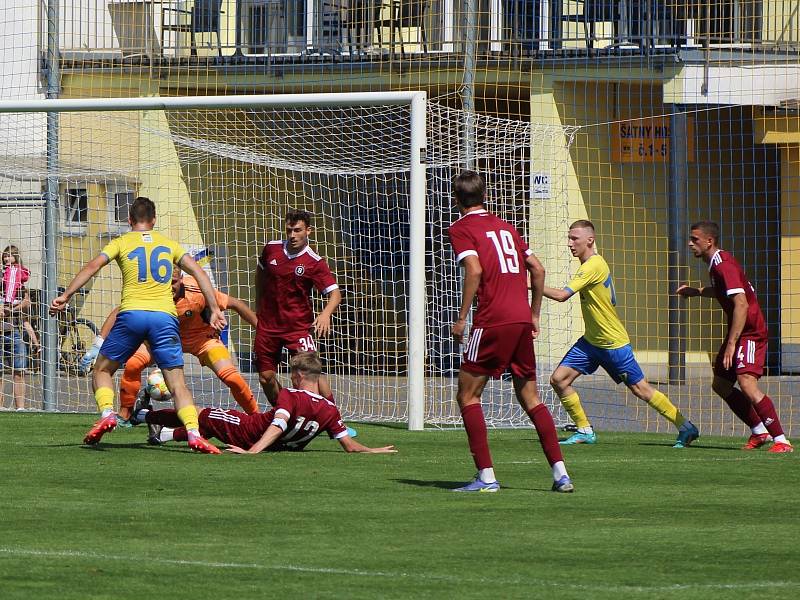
(469, 189)
(295, 215)
(142, 210)
(709, 228)
(582, 224)
(307, 364)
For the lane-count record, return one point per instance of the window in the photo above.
(122, 203)
(76, 207)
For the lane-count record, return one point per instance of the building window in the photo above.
(76, 207)
(122, 203)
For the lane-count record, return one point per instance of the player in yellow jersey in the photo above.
(605, 343)
(147, 312)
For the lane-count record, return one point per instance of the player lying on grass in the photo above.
(197, 338)
(299, 415)
(146, 313)
(605, 343)
(743, 352)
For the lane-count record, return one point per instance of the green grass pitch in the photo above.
(127, 520)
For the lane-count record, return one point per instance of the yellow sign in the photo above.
(646, 140)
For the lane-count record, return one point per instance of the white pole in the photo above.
(416, 300)
(245, 101)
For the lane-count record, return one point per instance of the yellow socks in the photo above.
(572, 404)
(105, 400)
(188, 416)
(666, 408)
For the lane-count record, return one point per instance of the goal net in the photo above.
(223, 178)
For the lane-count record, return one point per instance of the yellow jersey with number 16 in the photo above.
(596, 288)
(146, 259)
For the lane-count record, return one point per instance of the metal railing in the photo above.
(175, 28)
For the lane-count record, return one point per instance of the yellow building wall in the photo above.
(628, 204)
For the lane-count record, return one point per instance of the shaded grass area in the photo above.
(127, 520)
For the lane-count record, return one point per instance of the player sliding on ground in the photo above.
(741, 357)
(299, 415)
(496, 262)
(605, 343)
(197, 338)
(146, 313)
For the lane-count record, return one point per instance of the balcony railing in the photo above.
(354, 28)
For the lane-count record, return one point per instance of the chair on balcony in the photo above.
(205, 16)
(594, 11)
(402, 13)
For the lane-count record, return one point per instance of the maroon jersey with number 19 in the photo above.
(728, 278)
(289, 278)
(503, 291)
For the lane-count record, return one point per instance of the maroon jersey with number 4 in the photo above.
(503, 291)
(288, 281)
(728, 278)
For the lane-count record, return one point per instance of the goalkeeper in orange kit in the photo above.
(197, 338)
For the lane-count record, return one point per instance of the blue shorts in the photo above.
(619, 362)
(15, 352)
(133, 327)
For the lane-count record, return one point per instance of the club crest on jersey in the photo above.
(299, 270)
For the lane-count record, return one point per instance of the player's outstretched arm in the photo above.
(559, 295)
(272, 433)
(322, 324)
(91, 354)
(241, 307)
(350, 445)
(88, 271)
(688, 291)
(217, 318)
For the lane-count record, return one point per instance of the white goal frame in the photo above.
(417, 103)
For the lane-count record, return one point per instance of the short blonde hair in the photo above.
(307, 364)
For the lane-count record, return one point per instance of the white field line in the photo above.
(460, 578)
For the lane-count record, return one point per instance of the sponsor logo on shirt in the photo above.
(299, 270)
(146, 237)
(273, 262)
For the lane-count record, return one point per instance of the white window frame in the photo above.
(117, 226)
(69, 226)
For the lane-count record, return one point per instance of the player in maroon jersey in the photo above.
(496, 262)
(299, 415)
(286, 273)
(742, 355)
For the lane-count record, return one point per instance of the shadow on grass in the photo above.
(451, 485)
(693, 447)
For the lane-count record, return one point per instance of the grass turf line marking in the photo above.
(757, 585)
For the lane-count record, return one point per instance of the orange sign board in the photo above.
(646, 140)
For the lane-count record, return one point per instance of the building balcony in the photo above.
(229, 32)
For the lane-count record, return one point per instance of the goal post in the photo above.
(375, 171)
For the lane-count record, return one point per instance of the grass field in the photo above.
(131, 521)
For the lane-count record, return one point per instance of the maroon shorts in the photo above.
(493, 350)
(750, 356)
(269, 346)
